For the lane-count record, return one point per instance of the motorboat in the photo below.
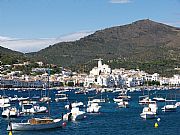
(60, 97)
(143, 100)
(4, 100)
(45, 99)
(170, 106)
(10, 112)
(75, 104)
(27, 109)
(153, 106)
(74, 115)
(93, 108)
(177, 104)
(159, 99)
(35, 124)
(40, 109)
(99, 101)
(147, 113)
(33, 109)
(123, 104)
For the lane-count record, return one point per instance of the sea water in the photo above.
(112, 120)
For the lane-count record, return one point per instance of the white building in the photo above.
(100, 69)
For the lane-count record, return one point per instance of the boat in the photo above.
(45, 99)
(143, 100)
(177, 104)
(150, 111)
(10, 112)
(35, 124)
(31, 107)
(4, 100)
(93, 108)
(75, 104)
(60, 97)
(40, 109)
(27, 108)
(170, 106)
(147, 113)
(74, 115)
(99, 101)
(159, 99)
(123, 104)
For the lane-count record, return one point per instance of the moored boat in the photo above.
(147, 113)
(36, 124)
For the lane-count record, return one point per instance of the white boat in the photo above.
(4, 105)
(10, 112)
(150, 111)
(147, 113)
(45, 99)
(117, 99)
(153, 106)
(99, 101)
(144, 100)
(23, 98)
(123, 104)
(74, 115)
(4, 100)
(36, 124)
(93, 108)
(61, 97)
(75, 104)
(15, 98)
(159, 99)
(33, 109)
(40, 109)
(27, 108)
(170, 106)
(177, 104)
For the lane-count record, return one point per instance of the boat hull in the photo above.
(27, 126)
(148, 116)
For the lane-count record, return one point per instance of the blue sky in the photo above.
(30, 19)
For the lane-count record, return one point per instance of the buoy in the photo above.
(64, 124)
(10, 132)
(156, 125)
(158, 119)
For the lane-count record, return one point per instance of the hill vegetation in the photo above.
(10, 57)
(144, 44)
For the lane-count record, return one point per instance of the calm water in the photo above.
(112, 120)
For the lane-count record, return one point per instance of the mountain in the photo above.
(144, 44)
(8, 56)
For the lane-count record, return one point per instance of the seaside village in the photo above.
(101, 76)
(78, 95)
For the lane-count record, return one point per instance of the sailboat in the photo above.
(37, 123)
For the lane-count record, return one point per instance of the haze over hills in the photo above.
(34, 45)
(144, 44)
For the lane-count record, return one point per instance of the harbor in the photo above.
(109, 119)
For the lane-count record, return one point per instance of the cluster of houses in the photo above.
(100, 76)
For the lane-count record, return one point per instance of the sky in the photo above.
(47, 21)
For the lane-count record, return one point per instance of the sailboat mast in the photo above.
(49, 113)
